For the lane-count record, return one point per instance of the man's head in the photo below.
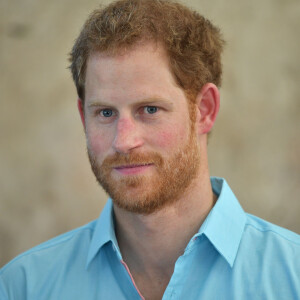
(146, 74)
(192, 43)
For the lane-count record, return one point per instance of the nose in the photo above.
(127, 136)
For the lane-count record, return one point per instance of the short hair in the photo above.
(193, 44)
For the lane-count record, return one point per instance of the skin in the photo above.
(127, 85)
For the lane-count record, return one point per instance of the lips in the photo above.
(132, 169)
(131, 166)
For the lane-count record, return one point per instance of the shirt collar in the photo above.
(225, 223)
(223, 226)
(104, 232)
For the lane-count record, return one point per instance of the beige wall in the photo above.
(46, 186)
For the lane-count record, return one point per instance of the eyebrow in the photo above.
(147, 101)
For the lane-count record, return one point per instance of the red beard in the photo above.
(145, 194)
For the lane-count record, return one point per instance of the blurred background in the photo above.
(46, 186)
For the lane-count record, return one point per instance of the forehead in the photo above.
(141, 69)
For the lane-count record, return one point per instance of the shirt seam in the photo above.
(275, 232)
(34, 250)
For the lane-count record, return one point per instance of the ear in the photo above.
(208, 103)
(80, 106)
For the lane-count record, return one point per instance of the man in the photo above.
(147, 74)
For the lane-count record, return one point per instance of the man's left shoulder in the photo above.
(269, 230)
(271, 241)
(268, 260)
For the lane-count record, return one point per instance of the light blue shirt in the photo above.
(233, 256)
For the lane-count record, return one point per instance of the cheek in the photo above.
(99, 143)
(172, 136)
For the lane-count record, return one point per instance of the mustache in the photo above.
(119, 160)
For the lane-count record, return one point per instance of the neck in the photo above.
(152, 243)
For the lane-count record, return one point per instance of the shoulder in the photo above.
(61, 248)
(267, 260)
(265, 230)
(271, 246)
(56, 244)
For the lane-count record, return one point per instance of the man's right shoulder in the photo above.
(53, 251)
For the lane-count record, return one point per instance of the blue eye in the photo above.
(106, 113)
(150, 109)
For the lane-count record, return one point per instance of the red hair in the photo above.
(193, 44)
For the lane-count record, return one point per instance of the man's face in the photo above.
(141, 141)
